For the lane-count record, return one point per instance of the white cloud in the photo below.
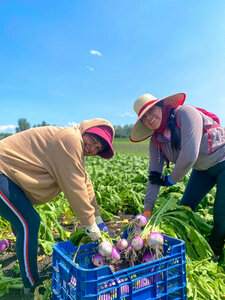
(7, 128)
(95, 52)
(73, 124)
(90, 68)
(126, 114)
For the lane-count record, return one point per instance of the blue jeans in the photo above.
(199, 184)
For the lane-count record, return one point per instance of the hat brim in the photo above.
(108, 151)
(139, 132)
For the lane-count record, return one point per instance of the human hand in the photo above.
(159, 179)
(148, 213)
(93, 231)
(126, 232)
(101, 224)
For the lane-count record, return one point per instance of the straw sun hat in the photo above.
(145, 102)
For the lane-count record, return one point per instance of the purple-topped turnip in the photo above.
(3, 245)
(142, 220)
(137, 243)
(98, 260)
(105, 248)
(155, 239)
(148, 256)
(115, 254)
(122, 244)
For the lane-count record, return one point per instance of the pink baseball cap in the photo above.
(106, 133)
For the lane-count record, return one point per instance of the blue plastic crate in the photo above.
(164, 278)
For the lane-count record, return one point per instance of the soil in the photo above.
(8, 258)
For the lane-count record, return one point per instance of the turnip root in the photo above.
(129, 246)
(3, 245)
(148, 256)
(105, 248)
(155, 242)
(155, 239)
(142, 220)
(122, 244)
(137, 243)
(98, 260)
(115, 254)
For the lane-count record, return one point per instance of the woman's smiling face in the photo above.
(152, 118)
(92, 145)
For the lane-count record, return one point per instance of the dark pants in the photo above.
(16, 208)
(199, 184)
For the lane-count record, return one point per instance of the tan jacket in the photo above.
(44, 161)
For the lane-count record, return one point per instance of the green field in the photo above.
(124, 145)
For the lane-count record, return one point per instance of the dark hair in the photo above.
(171, 124)
(101, 140)
(160, 104)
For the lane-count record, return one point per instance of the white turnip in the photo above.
(142, 220)
(137, 243)
(155, 239)
(122, 244)
(105, 248)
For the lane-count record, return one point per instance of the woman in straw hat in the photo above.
(190, 138)
(35, 166)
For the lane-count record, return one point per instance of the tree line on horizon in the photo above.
(121, 131)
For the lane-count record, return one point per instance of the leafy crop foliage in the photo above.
(120, 185)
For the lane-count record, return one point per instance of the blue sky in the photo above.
(67, 61)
